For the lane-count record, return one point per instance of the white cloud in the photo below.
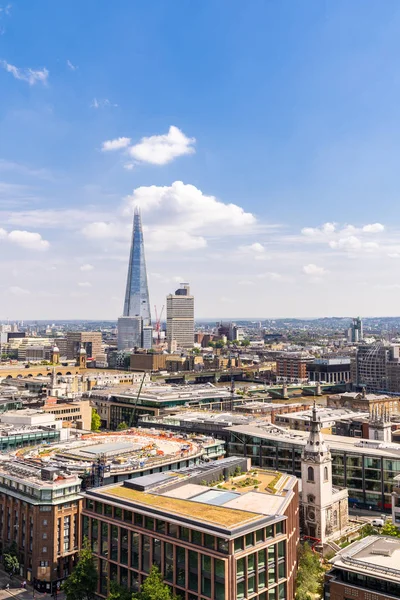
(313, 270)
(246, 282)
(31, 76)
(101, 230)
(164, 238)
(162, 149)
(86, 267)
(373, 228)
(352, 243)
(272, 276)
(26, 239)
(18, 291)
(117, 144)
(84, 284)
(185, 206)
(256, 251)
(71, 66)
(101, 103)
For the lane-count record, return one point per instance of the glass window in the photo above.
(98, 507)
(282, 591)
(193, 571)
(181, 566)
(146, 553)
(168, 562)
(261, 580)
(95, 536)
(240, 590)
(279, 527)
(134, 550)
(206, 563)
(114, 542)
(259, 536)
(206, 586)
(219, 566)
(222, 545)
(184, 533)
(117, 513)
(89, 504)
(209, 541)
(196, 537)
(281, 570)
(108, 510)
(270, 531)
(250, 563)
(128, 516)
(249, 540)
(281, 550)
(160, 526)
(272, 594)
(104, 539)
(251, 585)
(239, 544)
(138, 520)
(240, 567)
(149, 523)
(173, 530)
(123, 546)
(261, 559)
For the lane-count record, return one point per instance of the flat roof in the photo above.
(335, 442)
(375, 555)
(205, 513)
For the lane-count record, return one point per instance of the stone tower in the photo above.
(380, 427)
(316, 477)
(81, 358)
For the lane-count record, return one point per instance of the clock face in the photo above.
(311, 515)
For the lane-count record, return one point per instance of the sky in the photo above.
(260, 140)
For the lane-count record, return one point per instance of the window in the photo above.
(311, 499)
(44, 549)
(325, 473)
(44, 536)
(44, 522)
(310, 474)
(335, 519)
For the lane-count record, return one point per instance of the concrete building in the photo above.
(180, 318)
(396, 501)
(291, 367)
(39, 511)
(324, 508)
(71, 414)
(367, 570)
(91, 341)
(329, 370)
(115, 406)
(327, 418)
(355, 331)
(208, 542)
(365, 402)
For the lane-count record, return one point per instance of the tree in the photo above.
(390, 529)
(154, 587)
(82, 583)
(10, 559)
(245, 343)
(118, 592)
(96, 421)
(123, 425)
(309, 574)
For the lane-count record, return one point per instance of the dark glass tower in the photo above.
(137, 303)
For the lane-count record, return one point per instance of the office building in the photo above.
(180, 318)
(355, 331)
(367, 570)
(329, 370)
(39, 511)
(207, 539)
(365, 467)
(91, 341)
(129, 333)
(396, 501)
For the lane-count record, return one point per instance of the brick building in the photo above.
(291, 367)
(91, 341)
(39, 511)
(208, 542)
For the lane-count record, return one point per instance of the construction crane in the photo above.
(134, 417)
(158, 324)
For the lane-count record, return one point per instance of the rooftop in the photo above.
(375, 555)
(199, 494)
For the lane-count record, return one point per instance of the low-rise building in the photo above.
(329, 370)
(210, 540)
(367, 570)
(328, 418)
(76, 414)
(291, 367)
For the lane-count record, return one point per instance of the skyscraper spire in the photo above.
(137, 302)
(316, 445)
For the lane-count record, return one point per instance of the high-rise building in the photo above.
(355, 331)
(136, 315)
(91, 341)
(180, 318)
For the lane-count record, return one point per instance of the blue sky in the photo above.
(261, 140)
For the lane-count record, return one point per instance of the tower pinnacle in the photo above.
(137, 302)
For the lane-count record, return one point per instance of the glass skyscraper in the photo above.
(136, 316)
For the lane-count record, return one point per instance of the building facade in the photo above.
(91, 341)
(39, 511)
(130, 330)
(180, 318)
(207, 542)
(291, 367)
(329, 370)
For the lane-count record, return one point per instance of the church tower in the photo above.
(81, 358)
(316, 478)
(380, 427)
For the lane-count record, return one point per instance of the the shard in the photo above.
(137, 303)
(134, 328)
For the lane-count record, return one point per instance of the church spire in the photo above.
(316, 446)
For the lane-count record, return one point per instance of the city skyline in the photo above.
(263, 164)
